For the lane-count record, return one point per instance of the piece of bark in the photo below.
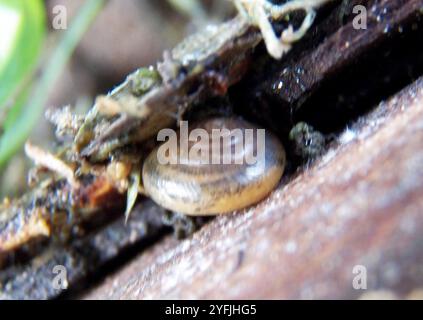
(340, 49)
(337, 72)
(83, 259)
(360, 204)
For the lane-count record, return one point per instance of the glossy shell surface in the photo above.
(198, 188)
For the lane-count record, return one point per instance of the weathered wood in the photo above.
(83, 258)
(361, 204)
(384, 17)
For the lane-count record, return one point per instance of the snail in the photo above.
(200, 178)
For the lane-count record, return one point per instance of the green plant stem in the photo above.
(16, 135)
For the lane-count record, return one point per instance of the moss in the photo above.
(183, 225)
(307, 143)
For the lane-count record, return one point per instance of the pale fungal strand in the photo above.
(260, 12)
(51, 162)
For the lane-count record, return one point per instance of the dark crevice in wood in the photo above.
(343, 76)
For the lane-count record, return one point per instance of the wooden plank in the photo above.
(340, 49)
(361, 204)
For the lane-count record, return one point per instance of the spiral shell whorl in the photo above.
(197, 188)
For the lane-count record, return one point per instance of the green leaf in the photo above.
(134, 183)
(25, 117)
(23, 26)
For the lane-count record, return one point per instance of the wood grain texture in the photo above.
(341, 48)
(361, 204)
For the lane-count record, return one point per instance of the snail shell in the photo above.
(198, 188)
